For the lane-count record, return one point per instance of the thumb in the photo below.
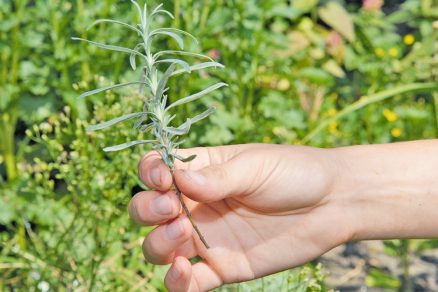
(216, 182)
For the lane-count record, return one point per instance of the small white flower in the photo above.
(44, 286)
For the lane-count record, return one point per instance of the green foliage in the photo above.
(72, 206)
(299, 71)
(156, 112)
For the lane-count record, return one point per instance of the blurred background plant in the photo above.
(314, 72)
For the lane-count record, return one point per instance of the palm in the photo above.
(261, 208)
(243, 231)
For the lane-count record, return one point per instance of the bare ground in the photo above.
(348, 266)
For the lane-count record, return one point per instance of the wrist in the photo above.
(387, 191)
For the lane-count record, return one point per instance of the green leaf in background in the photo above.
(333, 68)
(378, 278)
(316, 76)
(8, 96)
(304, 5)
(338, 18)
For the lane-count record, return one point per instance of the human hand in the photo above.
(261, 208)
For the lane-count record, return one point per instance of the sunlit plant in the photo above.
(157, 114)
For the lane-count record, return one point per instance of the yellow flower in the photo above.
(390, 115)
(409, 39)
(332, 111)
(396, 132)
(379, 52)
(266, 139)
(393, 52)
(283, 84)
(333, 127)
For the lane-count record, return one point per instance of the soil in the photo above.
(348, 265)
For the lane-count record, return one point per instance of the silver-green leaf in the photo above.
(184, 159)
(127, 145)
(176, 37)
(115, 22)
(132, 59)
(142, 17)
(196, 95)
(176, 131)
(185, 65)
(182, 53)
(199, 66)
(175, 30)
(202, 115)
(91, 92)
(163, 81)
(111, 47)
(112, 122)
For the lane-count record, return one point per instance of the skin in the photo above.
(267, 208)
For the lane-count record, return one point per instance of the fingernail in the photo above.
(162, 205)
(174, 273)
(155, 176)
(175, 229)
(195, 176)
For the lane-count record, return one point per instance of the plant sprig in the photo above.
(156, 116)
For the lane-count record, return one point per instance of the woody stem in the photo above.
(189, 215)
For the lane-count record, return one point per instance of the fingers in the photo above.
(161, 244)
(184, 277)
(152, 208)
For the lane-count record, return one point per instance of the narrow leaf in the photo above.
(199, 66)
(163, 81)
(115, 22)
(132, 59)
(202, 115)
(170, 29)
(140, 121)
(157, 10)
(145, 10)
(147, 127)
(175, 131)
(165, 12)
(88, 93)
(127, 145)
(142, 17)
(173, 52)
(196, 95)
(176, 37)
(187, 159)
(113, 121)
(110, 47)
(132, 62)
(184, 64)
(185, 127)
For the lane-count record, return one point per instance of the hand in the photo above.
(261, 208)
